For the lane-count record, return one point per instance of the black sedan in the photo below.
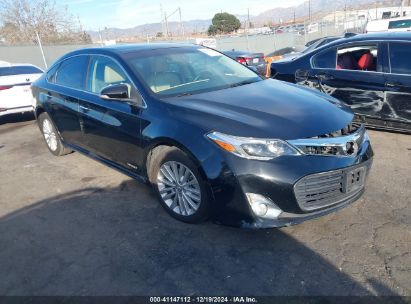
(371, 73)
(254, 61)
(212, 137)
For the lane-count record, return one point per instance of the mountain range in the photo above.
(318, 8)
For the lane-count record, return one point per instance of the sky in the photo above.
(95, 14)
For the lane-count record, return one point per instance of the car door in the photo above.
(398, 85)
(353, 74)
(66, 82)
(111, 128)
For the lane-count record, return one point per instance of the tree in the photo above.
(224, 23)
(21, 20)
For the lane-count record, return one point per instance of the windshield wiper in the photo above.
(241, 83)
(184, 94)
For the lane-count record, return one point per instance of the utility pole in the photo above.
(376, 10)
(162, 19)
(345, 14)
(181, 23)
(248, 17)
(99, 34)
(166, 22)
(309, 10)
(248, 28)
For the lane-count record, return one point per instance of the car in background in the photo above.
(371, 73)
(212, 137)
(401, 24)
(15, 92)
(317, 43)
(290, 52)
(255, 61)
(278, 55)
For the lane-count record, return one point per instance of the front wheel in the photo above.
(51, 136)
(179, 185)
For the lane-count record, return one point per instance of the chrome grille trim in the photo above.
(326, 189)
(346, 145)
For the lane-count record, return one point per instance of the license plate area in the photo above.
(256, 60)
(354, 179)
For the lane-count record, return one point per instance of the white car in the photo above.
(15, 91)
(401, 24)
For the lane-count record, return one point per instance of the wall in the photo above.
(31, 54)
(253, 43)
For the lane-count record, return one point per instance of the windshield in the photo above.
(184, 71)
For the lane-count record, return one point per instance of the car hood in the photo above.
(264, 109)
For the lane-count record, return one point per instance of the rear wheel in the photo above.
(179, 185)
(51, 136)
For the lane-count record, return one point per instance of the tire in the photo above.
(190, 202)
(51, 136)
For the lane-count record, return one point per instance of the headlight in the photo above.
(252, 147)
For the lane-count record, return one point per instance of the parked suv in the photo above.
(211, 136)
(371, 73)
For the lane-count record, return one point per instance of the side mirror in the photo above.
(116, 91)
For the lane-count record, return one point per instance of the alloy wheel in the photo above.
(179, 188)
(49, 135)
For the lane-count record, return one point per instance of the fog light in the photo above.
(259, 209)
(263, 206)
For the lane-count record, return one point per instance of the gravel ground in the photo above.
(71, 226)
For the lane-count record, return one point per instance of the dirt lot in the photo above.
(71, 226)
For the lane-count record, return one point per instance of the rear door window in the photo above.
(72, 71)
(325, 59)
(358, 57)
(19, 70)
(400, 57)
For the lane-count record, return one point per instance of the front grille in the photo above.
(325, 189)
(349, 129)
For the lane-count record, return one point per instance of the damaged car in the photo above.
(213, 138)
(371, 73)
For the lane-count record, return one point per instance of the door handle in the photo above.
(84, 109)
(394, 84)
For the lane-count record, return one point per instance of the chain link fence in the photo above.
(265, 43)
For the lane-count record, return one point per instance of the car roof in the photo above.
(5, 64)
(128, 48)
(120, 49)
(398, 36)
(381, 36)
(404, 36)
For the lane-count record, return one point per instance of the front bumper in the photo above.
(288, 219)
(276, 180)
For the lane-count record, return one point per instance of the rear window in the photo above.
(325, 60)
(399, 24)
(19, 70)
